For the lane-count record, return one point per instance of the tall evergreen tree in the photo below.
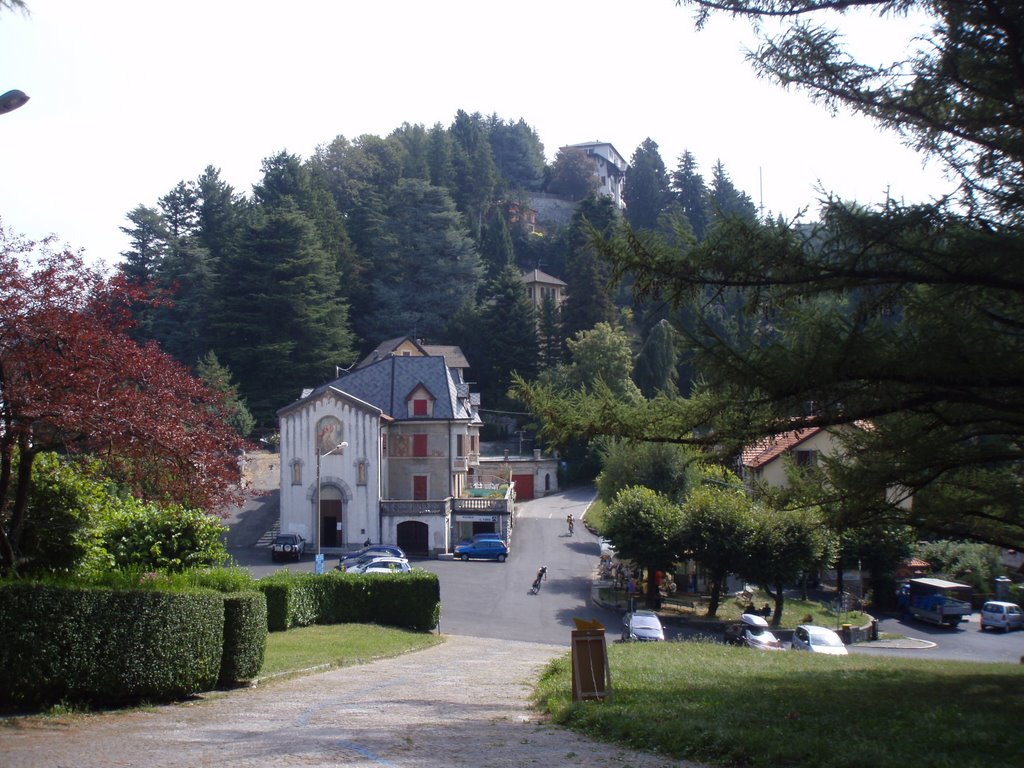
(692, 194)
(430, 266)
(496, 246)
(726, 199)
(510, 328)
(550, 334)
(282, 325)
(588, 300)
(476, 175)
(656, 369)
(646, 187)
(518, 153)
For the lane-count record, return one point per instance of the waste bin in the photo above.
(591, 678)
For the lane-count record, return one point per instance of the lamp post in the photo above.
(339, 448)
(11, 100)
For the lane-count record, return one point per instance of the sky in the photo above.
(128, 98)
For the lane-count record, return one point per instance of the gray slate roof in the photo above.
(388, 382)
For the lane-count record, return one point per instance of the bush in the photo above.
(410, 601)
(78, 644)
(245, 637)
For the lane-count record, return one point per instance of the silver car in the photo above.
(1001, 615)
(643, 626)
(809, 637)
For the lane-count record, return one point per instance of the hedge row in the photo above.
(106, 646)
(408, 600)
(110, 645)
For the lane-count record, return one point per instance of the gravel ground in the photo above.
(461, 703)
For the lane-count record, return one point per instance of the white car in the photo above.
(998, 614)
(382, 565)
(752, 631)
(809, 637)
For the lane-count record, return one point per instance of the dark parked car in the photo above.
(288, 545)
(376, 550)
(485, 549)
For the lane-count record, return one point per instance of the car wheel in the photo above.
(501, 558)
(465, 558)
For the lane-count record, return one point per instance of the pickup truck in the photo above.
(946, 603)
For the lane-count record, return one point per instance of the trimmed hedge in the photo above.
(245, 638)
(106, 646)
(409, 600)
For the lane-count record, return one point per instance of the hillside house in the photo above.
(610, 168)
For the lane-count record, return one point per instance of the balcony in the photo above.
(409, 508)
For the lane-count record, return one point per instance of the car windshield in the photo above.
(287, 539)
(646, 622)
(830, 639)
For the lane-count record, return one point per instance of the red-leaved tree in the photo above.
(73, 381)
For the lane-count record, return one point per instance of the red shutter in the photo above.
(419, 487)
(419, 445)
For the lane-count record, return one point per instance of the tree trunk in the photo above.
(716, 593)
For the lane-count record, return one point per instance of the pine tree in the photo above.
(646, 187)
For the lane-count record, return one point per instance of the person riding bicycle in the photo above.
(542, 573)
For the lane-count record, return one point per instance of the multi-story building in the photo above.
(380, 453)
(610, 168)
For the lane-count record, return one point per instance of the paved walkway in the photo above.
(461, 703)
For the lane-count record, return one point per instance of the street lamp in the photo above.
(11, 100)
(339, 448)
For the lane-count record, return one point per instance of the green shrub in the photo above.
(290, 600)
(106, 646)
(411, 601)
(245, 637)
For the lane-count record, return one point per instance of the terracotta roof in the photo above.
(769, 449)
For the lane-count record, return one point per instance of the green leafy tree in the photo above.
(969, 562)
(573, 174)
(60, 534)
(671, 470)
(717, 529)
(600, 359)
(162, 538)
(643, 525)
(645, 189)
(783, 544)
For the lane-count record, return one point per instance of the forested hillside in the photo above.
(416, 233)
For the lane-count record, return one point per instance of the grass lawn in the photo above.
(338, 645)
(736, 707)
